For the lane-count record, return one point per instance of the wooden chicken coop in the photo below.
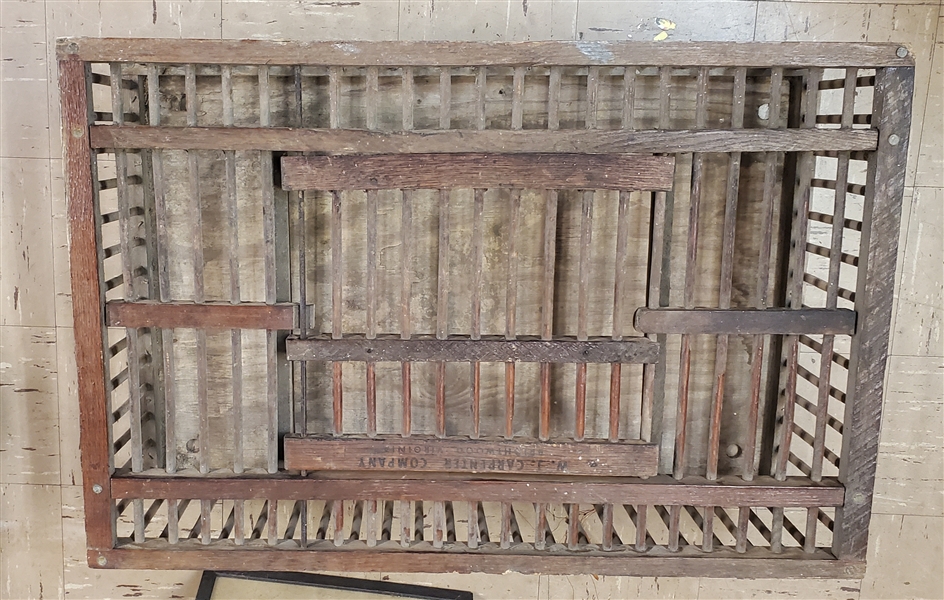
(547, 307)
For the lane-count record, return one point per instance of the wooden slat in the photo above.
(353, 141)
(220, 315)
(464, 349)
(458, 54)
(393, 455)
(881, 221)
(746, 321)
(87, 298)
(660, 489)
(432, 171)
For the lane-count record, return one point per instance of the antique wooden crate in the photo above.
(556, 307)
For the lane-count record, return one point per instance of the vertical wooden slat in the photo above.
(744, 516)
(583, 276)
(674, 520)
(776, 530)
(474, 534)
(608, 532)
(810, 104)
(408, 98)
(371, 523)
(727, 277)
(268, 225)
(881, 220)
(708, 529)
(87, 298)
(336, 300)
(809, 538)
(619, 291)
(480, 89)
(406, 282)
(593, 93)
(439, 524)
(629, 97)
(442, 308)
(337, 513)
(835, 255)
(476, 329)
(406, 522)
(641, 531)
(665, 95)
(573, 526)
(206, 508)
(511, 308)
(653, 290)
(163, 274)
(771, 160)
(334, 97)
(547, 309)
(517, 98)
(445, 97)
(371, 308)
(681, 421)
(272, 521)
(553, 98)
(540, 526)
(372, 96)
(130, 294)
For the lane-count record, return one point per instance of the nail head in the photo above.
(102, 560)
(97, 489)
(901, 52)
(894, 139)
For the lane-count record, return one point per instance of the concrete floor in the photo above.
(42, 545)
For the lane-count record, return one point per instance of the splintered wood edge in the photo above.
(624, 459)
(479, 170)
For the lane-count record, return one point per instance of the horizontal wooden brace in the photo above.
(392, 455)
(479, 170)
(773, 321)
(199, 316)
(661, 490)
(692, 54)
(463, 349)
(688, 561)
(359, 141)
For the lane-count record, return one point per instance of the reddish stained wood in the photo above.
(628, 459)
(689, 562)
(461, 54)
(457, 170)
(169, 315)
(770, 321)
(87, 298)
(726, 491)
(354, 141)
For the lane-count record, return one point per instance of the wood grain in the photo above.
(359, 141)
(463, 349)
(86, 305)
(478, 170)
(726, 491)
(881, 222)
(458, 54)
(775, 321)
(220, 315)
(420, 454)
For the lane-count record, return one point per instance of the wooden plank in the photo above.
(86, 306)
(458, 54)
(357, 141)
(210, 315)
(881, 221)
(626, 459)
(688, 562)
(478, 170)
(660, 489)
(745, 321)
(464, 349)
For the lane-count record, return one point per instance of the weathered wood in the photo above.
(356, 141)
(86, 305)
(470, 456)
(745, 321)
(661, 489)
(464, 349)
(215, 315)
(881, 221)
(458, 54)
(432, 171)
